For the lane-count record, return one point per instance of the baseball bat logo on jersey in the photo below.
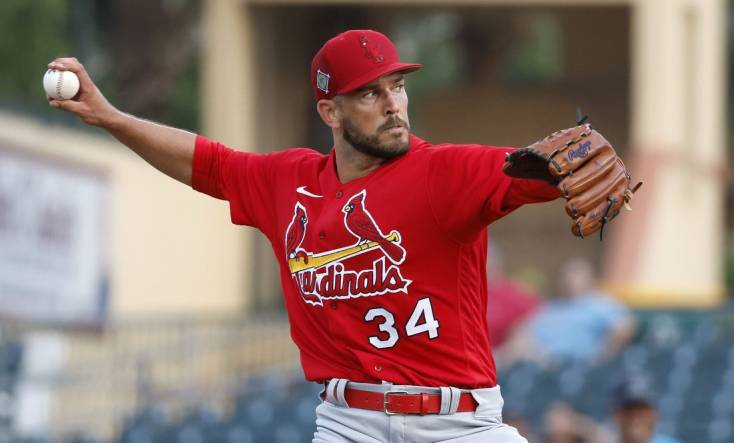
(323, 275)
(359, 222)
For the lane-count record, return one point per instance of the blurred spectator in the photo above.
(563, 424)
(635, 412)
(580, 324)
(509, 303)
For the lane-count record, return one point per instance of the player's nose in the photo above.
(391, 104)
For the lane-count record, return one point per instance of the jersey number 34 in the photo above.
(421, 321)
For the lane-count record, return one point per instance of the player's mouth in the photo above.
(395, 128)
(394, 124)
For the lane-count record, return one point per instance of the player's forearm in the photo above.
(168, 149)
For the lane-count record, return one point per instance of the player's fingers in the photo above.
(73, 65)
(66, 62)
(66, 105)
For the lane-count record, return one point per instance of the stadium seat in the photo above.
(190, 434)
(137, 434)
(688, 356)
(720, 430)
(239, 434)
(288, 433)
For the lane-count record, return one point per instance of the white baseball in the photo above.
(60, 85)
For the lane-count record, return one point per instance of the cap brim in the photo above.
(374, 75)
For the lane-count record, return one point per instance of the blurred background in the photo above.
(131, 310)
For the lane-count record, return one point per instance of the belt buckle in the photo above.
(386, 399)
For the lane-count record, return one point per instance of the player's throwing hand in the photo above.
(89, 104)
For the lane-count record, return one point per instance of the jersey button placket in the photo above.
(338, 194)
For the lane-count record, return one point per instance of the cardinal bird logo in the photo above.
(371, 51)
(295, 233)
(360, 223)
(329, 274)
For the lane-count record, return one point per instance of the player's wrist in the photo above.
(113, 120)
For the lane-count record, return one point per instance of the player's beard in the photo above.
(371, 145)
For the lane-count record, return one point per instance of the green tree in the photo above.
(141, 53)
(32, 32)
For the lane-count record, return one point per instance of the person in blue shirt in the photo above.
(581, 323)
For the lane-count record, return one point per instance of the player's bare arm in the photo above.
(169, 150)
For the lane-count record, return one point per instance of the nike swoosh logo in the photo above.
(302, 190)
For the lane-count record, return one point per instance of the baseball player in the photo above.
(382, 242)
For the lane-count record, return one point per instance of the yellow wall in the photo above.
(171, 249)
(671, 248)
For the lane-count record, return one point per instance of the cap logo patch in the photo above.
(370, 51)
(322, 81)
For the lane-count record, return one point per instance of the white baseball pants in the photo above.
(336, 422)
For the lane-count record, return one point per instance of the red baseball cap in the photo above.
(351, 60)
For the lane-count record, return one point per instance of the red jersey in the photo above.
(383, 276)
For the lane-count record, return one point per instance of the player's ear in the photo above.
(329, 112)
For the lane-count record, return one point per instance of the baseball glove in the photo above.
(585, 168)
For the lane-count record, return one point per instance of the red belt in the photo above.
(401, 402)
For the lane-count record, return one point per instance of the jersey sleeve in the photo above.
(242, 178)
(468, 189)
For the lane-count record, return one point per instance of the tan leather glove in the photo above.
(587, 171)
